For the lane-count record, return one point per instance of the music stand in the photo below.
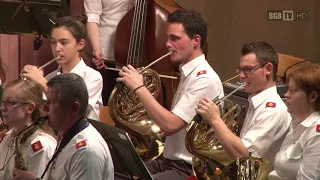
(31, 17)
(127, 163)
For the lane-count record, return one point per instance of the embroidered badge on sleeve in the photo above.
(36, 146)
(271, 104)
(318, 128)
(201, 72)
(81, 144)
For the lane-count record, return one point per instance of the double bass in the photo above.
(140, 39)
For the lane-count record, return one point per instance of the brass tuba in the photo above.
(201, 142)
(129, 114)
(247, 168)
(21, 136)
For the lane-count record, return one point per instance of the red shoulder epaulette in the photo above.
(81, 144)
(37, 146)
(271, 104)
(318, 128)
(201, 72)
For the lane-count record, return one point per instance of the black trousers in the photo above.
(166, 169)
(109, 81)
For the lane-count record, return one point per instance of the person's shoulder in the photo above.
(51, 75)
(207, 75)
(89, 72)
(43, 142)
(89, 138)
(315, 128)
(276, 106)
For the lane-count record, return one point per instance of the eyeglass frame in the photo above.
(9, 103)
(250, 69)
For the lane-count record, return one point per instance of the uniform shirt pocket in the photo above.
(294, 151)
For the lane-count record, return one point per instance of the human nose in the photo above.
(242, 74)
(287, 94)
(3, 105)
(168, 44)
(57, 47)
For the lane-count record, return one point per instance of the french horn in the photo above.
(129, 114)
(247, 168)
(209, 155)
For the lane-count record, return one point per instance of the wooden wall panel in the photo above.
(9, 51)
(232, 23)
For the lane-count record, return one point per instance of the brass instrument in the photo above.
(247, 168)
(43, 66)
(21, 136)
(129, 114)
(3, 129)
(201, 142)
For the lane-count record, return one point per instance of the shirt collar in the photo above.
(310, 119)
(75, 69)
(186, 69)
(258, 99)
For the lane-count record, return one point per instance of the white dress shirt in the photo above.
(107, 14)
(93, 80)
(299, 156)
(37, 150)
(266, 124)
(85, 157)
(198, 80)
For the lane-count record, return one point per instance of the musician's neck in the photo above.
(67, 67)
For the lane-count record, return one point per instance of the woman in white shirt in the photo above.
(67, 40)
(299, 154)
(21, 105)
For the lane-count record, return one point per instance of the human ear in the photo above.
(31, 107)
(196, 41)
(313, 96)
(268, 68)
(81, 44)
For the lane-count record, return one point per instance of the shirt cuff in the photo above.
(246, 143)
(93, 18)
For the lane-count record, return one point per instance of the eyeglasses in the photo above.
(248, 70)
(9, 103)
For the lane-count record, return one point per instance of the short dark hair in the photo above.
(75, 24)
(192, 22)
(70, 88)
(307, 78)
(264, 53)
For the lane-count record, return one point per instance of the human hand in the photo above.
(25, 175)
(208, 110)
(32, 73)
(130, 77)
(98, 59)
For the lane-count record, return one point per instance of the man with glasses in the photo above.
(267, 121)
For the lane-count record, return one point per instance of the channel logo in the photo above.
(288, 15)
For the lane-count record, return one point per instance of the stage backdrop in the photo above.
(231, 24)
